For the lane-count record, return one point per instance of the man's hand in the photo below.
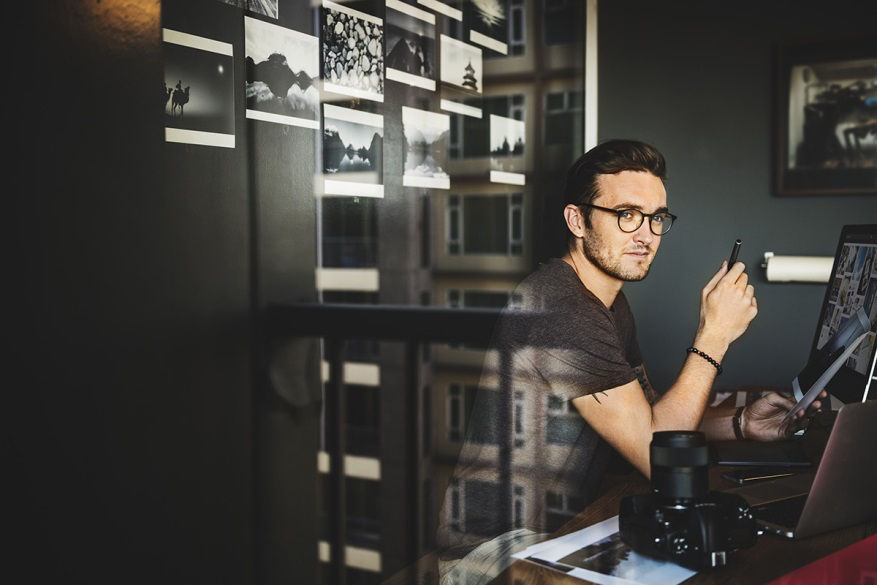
(763, 419)
(727, 304)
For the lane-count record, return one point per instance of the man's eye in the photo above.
(626, 215)
(659, 218)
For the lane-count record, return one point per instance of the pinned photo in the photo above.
(461, 73)
(506, 150)
(353, 52)
(198, 90)
(282, 67)
(267, 7)
(487, 21)
(353, 144)
(410, 44)
(426, 153)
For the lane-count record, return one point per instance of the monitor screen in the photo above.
(852, 284)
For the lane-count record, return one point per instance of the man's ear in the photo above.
(575, 220)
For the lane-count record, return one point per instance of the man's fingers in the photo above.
(716, 278)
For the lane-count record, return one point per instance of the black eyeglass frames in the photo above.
(630, 220)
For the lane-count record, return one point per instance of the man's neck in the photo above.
(602, 285)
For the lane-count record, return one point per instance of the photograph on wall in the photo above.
(827, 126)
(282, 68)
(267, 8)
(410, 44)
(461, 75)
(353, 150)
(353, 52)
(487, 23)
(198, 90)
(426, 152)
(507, 150)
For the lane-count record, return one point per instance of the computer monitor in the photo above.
(852, 284)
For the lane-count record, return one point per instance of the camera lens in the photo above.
(679, 462)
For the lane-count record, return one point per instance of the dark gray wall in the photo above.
(695, 79)
(133, 447)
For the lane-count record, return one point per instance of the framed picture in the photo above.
(826, 120)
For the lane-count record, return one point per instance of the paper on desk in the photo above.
(597, 554)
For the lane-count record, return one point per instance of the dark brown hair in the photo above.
(608, 158)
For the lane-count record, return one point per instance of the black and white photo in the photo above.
(487, 22)
(827, 119)
(507, 137)
(353, 52)
(198, 90)
(410, 43)
(461, 73)
(282, 69)
(353, 150)
(426, 152)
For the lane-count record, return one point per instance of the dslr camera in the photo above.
(681, 520)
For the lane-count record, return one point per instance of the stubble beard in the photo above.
(596, 251)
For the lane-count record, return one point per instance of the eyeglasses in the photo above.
(629, 220)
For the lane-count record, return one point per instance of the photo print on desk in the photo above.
(461, 75)
(282, 68)
(410, 45)
(487, 22)
(507, 150)
(353, 145)
(198, 90)
(353, 52)
(267, 8)
(426, 153)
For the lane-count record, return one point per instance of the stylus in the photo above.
(734, 251)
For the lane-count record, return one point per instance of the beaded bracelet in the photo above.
(706, 357)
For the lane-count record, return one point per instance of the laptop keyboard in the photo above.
(783, 512)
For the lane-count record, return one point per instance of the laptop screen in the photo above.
(853, 284)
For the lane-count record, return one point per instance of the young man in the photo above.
(576, 371)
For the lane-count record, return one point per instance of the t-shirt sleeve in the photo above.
(577, 348)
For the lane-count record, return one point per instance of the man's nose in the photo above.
(644, 234)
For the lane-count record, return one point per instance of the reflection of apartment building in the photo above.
(465, 247)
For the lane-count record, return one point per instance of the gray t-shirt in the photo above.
(573, 346)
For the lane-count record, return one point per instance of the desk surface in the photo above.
(770, 558)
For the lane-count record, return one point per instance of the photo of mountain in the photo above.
(410, 42)
(282, 67)
(353, 52)
(198, 89)
(353, 149)
(426, 153)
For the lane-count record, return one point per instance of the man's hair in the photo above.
(608, 158)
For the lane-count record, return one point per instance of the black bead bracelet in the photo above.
(706, 357)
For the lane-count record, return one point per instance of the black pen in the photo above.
(734, 251)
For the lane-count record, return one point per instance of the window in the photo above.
(563, 20)
(563, 116)
(474, 133)
(518, 503)
(465, 416)
(564, 423)
(472, 506)
(485, 224)
(560, 508)
(349, 228)
(363, 420)
(363, 512)
(517, 30)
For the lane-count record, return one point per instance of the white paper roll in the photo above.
(798, 268)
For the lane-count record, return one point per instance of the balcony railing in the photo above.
(414, 326)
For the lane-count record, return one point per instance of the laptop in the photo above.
(841, 492)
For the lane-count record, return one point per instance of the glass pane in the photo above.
(485, 225)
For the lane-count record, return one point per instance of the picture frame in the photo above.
(826, 118)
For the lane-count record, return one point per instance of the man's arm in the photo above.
(623, 416)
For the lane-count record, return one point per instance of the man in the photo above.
(575, 374)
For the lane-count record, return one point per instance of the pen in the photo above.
(734, 252)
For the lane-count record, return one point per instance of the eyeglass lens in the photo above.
(629, 220)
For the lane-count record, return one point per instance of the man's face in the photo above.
(625, 256)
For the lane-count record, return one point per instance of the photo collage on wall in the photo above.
(854, 287)
(334, 82)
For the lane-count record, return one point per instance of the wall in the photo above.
(132, 451)
(695, 79)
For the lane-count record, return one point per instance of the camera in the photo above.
(681, 520)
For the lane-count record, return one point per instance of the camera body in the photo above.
(681, 520)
